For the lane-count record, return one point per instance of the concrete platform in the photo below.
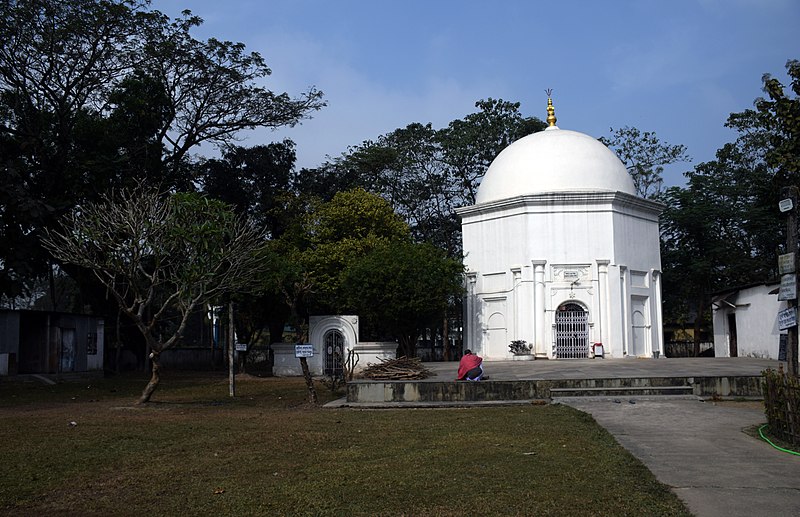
(517, 381)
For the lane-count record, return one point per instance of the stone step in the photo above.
(621, 391)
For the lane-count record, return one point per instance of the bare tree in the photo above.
(160, 257)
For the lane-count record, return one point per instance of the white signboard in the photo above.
(241, 347)
(786, 263)
(787, 318)
(788, 290)
(305, 350)
(784, 205)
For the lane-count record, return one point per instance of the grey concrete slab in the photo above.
(610, 368)
(700, 450)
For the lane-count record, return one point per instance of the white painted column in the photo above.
(516, 280)
(658, 322)
(539, 308)
(603, 297)
(471, 317)
(625, 307)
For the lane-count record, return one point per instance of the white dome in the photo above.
(554, 160)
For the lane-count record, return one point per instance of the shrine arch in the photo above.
(571, 339)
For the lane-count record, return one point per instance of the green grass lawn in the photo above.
(195, 451)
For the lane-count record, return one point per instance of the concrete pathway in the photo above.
(698, 448)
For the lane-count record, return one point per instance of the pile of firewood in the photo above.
(400, 369)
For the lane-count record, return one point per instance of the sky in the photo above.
(677, 68)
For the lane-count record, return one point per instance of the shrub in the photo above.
(782, 405)
(520, 347)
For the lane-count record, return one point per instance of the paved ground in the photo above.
(698, 448)
(609, 368)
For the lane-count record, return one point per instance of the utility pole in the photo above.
(789, 205)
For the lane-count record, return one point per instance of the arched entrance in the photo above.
(572, 332)
(334, 354)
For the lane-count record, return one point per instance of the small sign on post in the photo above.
(788, 290)
(304, 350)
(786, 263)
(784, 205)
(241, 347)
(784, 338)
(787, 318)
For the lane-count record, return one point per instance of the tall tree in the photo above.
(780, 113)
(213, 87)
(401, 288)
(159, 257)
(705, 241)
(427, 173)
(256, 181)
(96, 93)
(337, 233)
(644, 155)
(472, 143)
(724, 229)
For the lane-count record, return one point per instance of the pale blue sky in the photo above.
(675, 67)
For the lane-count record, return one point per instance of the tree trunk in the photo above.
(52, 283)
(312, 393)
(698, 323)
(231, 353)
(118, 357)
(408, 344)
(242, 363)
(445, 339)
(155, 378)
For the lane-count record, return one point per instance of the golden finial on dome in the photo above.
(551, 111)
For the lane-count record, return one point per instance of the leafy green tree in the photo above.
(399, 288)
(213, 87)
(256, 181)
(337, 233)
(644, 155)
(724, 229)
(97, 94)
(780, 114)
(158, 257)
(427, 173)
(704, 245)
(472, 143)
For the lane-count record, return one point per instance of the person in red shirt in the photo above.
(470, 368)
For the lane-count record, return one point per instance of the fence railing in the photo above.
(686, 348)
(782, 405)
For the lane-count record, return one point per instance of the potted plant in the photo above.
(521, 350)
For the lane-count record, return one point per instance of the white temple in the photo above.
(561, 253)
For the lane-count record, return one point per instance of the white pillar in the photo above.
(658, 322)
(516, 280)
(471, 317)
(539, 346)
(625, 307)
(603, 297)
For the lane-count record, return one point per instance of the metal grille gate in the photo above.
(572, 332)
(334, 348)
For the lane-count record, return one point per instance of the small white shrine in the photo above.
(334, 341)
(561, 253)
